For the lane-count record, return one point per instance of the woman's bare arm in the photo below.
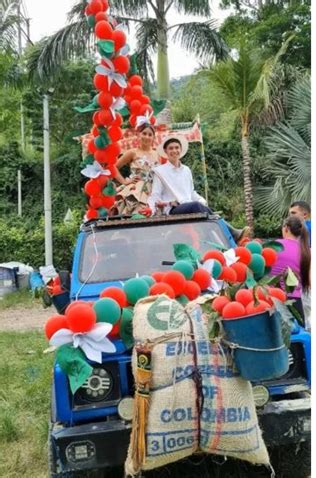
(127, 158)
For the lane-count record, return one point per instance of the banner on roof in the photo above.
(191, 131)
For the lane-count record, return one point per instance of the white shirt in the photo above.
(172, 184)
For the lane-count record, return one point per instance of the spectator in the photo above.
(303, 210)
(297, 256)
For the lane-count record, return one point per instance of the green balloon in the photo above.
(102, 212)
(100, 142)
(217, 269)
(254, 247)
(126, 327)
(185, 268)
(138, 216)
(107, 310)
(183, 300)
(257, 264)
(91, 21)
(136, 289)
(150, 281)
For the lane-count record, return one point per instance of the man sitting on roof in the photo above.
(173, 189)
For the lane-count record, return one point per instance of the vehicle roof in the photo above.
(127, 221)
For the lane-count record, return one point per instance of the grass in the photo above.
(25, 375)
(23, 297)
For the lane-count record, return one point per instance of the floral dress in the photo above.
(132, 198)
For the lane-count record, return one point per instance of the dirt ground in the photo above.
(19, 319)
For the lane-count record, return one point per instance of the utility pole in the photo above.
(47, 188)
(22, 124)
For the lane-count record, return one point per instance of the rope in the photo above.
(234, 346)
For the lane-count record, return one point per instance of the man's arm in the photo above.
(156, 194)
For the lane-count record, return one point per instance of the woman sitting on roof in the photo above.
(133, 193)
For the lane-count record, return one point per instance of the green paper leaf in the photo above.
(87, 161)
(286, 318)
(277, 246)
(290, 278)
(125, 113)
(250, 281)
(133, 62)
(126, 328)
(73, 363)
(158, 106)
(186, 253)
(109, 189)
(106, 48)
(217, 246)
(87, 109)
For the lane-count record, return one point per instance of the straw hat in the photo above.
(181, 139)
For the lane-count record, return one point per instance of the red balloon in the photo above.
(192, 290)
(219, 303)
(100, 82)
(278, 293)
(96, 118)
(121, 64)
(118, 120)
(117, 294)
(95, 202)
(135, 80)
(135, 107)
(153, 120)
(241, 271)
(215, 254)
(132, 121)
(113, 169)
(119, 39)
(162, 288)
(105, 117)
(115, 332)
(228, 274)
(244, 255)
(95, 131)
(157, 276)
(105, 100)
(103, 30)
(92, 188)
(95, 6)
(100, 156)
(203, 278)
(145, 100)
(81, 318)
(101, 16)
(105, 4)
(74, 304)
(115, 133)
(269, 255)
(112, 152)
(233, 310)
(55, 323)
(108, 201)
(87, 10)
(244, 296)
(136, 92)
(116, 90)
(146, 109)
(92, 147)
(176, 280)
(261, 306)
(92, 214)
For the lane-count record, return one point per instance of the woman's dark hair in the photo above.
(298, 229)
(145, 126)
(171, 140)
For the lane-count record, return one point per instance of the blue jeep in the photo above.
(90, 430)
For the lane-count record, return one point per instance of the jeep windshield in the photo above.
(121, 253)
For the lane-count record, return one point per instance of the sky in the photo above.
(49, 16)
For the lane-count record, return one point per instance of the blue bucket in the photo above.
(262, 332)
(61, 301)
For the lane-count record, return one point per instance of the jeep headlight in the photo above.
(98, 386)
(125, 409)
(261, 395)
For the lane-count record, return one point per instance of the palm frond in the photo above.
(193, 7)
(147, 41)
(9, 21)
(299, 102)
(223, 78)
(136, 8)
(46, 57)
(77, 10)
(202, 39)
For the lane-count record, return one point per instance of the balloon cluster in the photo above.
(113, 86)
(248, 302)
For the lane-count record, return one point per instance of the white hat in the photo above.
(181, 139)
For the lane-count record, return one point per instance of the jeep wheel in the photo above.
(292, 460)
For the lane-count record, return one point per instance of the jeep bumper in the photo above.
(90, 446)
(286, 421)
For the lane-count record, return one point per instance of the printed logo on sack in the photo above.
(165, 314)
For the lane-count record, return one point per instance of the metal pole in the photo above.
(47, 190)
(203, 161)
(19, 193)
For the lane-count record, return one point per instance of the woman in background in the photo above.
(297, 256)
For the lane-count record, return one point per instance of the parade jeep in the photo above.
(91, 430)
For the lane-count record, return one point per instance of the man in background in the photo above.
(303, 210)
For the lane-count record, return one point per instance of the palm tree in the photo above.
(246, 82)
(152, 30)
(8, 24)
(289, 150)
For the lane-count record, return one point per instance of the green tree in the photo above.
(246, 83)
(152, 30)
(289, 151)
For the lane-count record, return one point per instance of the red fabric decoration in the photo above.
(55, 323)
(162, 288)
(203, 278)
(176, 280)
(103, 30)
(117, 294)
(81, 318)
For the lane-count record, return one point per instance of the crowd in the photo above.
(155, 188)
